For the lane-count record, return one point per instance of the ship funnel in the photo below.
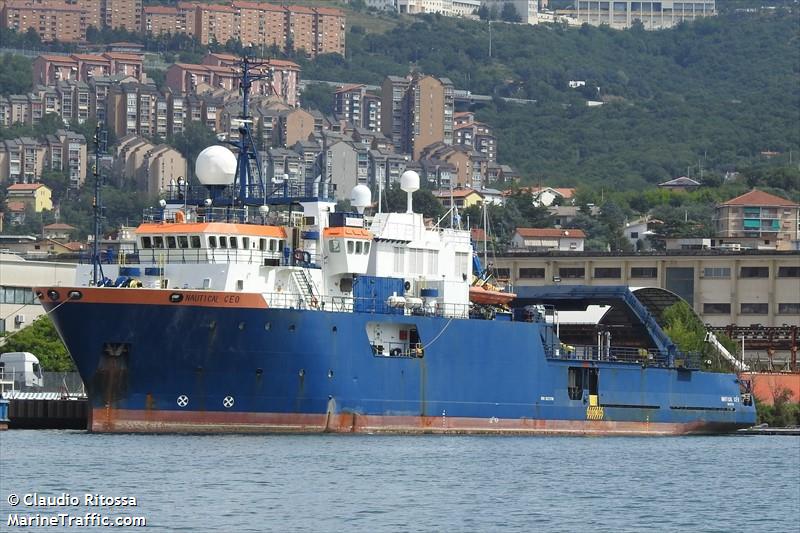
(409, 182)
(360, 197)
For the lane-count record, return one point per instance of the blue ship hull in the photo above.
(153, 366)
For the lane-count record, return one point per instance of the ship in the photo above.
(258, 307)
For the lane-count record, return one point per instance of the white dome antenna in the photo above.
(360, 197)
(215, 166)
(409, 182)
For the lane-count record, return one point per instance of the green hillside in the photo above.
(710, 95)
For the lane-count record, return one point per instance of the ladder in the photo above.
(308, 293)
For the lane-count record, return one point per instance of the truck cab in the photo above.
(22, 369)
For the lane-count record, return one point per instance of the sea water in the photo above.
(399, 483)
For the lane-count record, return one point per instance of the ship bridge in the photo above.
(633, 316)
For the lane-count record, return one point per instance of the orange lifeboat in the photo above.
(479, 295)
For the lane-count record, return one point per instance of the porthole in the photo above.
(241, 326)
(334, 329)
(330, 374)
(291, 327)
(267, 326)
(301, 373)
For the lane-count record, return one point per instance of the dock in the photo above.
(45, 410)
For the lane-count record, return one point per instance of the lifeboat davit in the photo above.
(479, 295)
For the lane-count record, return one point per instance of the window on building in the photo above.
(754, 272)
(644, 272)
(607, 273)
(634, 235)
(755, 309)
(572, 273)
(717, 272)
(502, 273)
(17, 295)
(789, 309)
(531, 273)
(716, 309)
(789, 272)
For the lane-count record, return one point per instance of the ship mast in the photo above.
(100, 139)
(250, 180)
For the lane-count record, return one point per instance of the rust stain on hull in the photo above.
(141, 421)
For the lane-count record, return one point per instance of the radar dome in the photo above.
(216, 165)
(409, 181)
(360, 197)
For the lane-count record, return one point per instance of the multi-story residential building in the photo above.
(329, 30)
(468, 132)
(215, 23)
(153, 168)
(294, 125)
(281, 164)
(220, 71)
(621, 14)
(261, 24)
(159, 20)
(67, 153)
(385, 169)
(393, 93)
(22, 160)
(309, 152)
(347, 165)
(470, 168)
(758, 220)
(50, 69)
(35, 195)
(124, 14)
(356, 105)
(122, 109)
(52, 20)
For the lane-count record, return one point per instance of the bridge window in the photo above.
(262, 244)
(233, 242)
(350, 247)
(334, 246)
(147, 242)
(183, 241)
(158, 242)
(366, 247)
(223, 241)
(195, 241)
(212, 241)
(246, 243)
(359, 247)
(171, 242)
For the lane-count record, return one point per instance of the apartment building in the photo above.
(417, 111)
(50, 69)
(261, 24)
(758, 220)
(469, 132)
(153, 168)
(329, 29)
(465, 167)
(122, 14)
(215, 23)
(347, 165)
(53, 20)
(159, 20)
(67, 152)
(22, 160)
(547, 239)
(621, 14)
(358, 106)
(740, 288)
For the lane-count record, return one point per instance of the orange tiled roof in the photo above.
(756, 197)
(25, 186)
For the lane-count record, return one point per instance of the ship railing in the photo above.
(620, 354)
(345, 304)
(162, 256)
(397, 349)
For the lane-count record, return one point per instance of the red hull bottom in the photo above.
(107, 420)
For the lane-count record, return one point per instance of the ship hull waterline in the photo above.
(227, 363)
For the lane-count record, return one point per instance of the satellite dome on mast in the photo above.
(360, 197)
(409, 182)
(216, 166)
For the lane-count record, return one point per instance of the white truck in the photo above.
(21, 370)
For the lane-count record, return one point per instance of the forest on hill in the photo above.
(702, 98)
